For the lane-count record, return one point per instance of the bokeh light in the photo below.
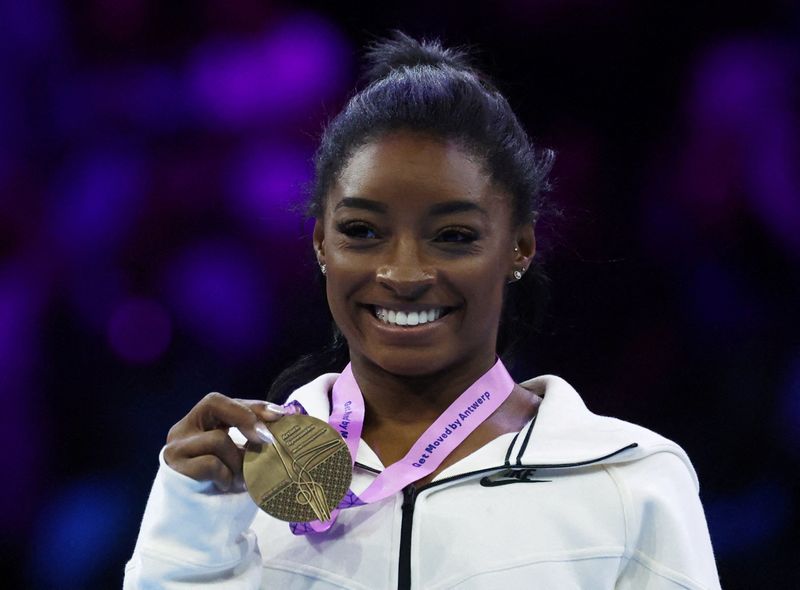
(745, 139)
(218, 291)
(266, 185)
(96, 202)
(77, 531)
(285, 73)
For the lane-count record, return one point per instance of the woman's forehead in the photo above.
(414, 167)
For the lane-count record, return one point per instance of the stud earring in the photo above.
(323, 269)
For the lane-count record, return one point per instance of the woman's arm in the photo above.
(667, 546)
(195, 529)
(194, 534)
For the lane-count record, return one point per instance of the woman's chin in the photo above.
(405, 365)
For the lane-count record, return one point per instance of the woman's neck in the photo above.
(400, 408)
(409, 399)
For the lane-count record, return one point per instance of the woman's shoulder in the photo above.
(653, 478)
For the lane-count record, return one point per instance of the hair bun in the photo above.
(399, 50)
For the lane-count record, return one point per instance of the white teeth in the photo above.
(411, 318)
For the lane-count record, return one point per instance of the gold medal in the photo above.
(304, 475)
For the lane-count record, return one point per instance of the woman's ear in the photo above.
(318, 238)
(526, 241)
(524, 248)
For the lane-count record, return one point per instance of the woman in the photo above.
(426, 194)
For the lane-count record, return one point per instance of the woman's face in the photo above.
(418, 246)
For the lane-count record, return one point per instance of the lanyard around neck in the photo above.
(450, 429)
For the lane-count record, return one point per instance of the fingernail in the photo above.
(275, 408)
(263, 433)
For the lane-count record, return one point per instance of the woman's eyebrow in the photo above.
(361, 203)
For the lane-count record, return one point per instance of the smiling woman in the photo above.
(426, 195)
(414, 225)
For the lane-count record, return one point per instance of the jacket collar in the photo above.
(563, 434)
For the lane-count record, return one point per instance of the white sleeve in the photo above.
(667, 542)
(194, 535)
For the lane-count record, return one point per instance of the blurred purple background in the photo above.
(151, 158)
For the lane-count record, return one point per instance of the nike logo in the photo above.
(519, 475)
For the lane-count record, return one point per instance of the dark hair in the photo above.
(423, 87)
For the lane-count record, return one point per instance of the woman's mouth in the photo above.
(408, 318)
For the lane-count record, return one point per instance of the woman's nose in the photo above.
(405, 273)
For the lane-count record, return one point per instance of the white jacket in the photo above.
(574, 500)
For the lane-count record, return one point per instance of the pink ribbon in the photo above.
(449, 430)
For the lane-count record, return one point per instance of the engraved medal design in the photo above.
(304, 475)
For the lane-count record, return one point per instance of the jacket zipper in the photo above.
(410, 497)
(404, 570)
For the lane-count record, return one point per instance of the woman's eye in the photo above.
(456, 235)
(358, 230)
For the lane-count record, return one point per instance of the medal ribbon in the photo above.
(449, 430)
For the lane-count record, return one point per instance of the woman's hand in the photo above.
(199, 446)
